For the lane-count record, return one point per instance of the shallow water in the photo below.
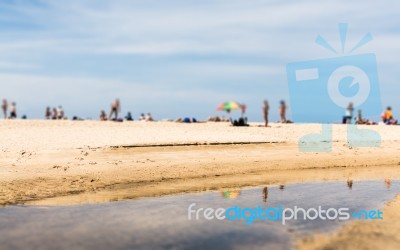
(156, 223)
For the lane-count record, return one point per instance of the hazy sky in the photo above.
(178, 58)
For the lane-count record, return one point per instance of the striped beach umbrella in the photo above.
(228, 106)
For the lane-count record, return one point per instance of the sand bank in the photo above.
(64, 162)
(53, 162)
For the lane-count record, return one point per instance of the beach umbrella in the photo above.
(228, 106)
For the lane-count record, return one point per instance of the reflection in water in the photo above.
(388, 183)
(265, 194)
(231, 194)
(350, 184)
(162, 223)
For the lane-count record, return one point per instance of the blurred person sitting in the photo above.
(241, 122)
(128, 116)
(103, 116)
(149, 118)
(387, 117)
(361, 120)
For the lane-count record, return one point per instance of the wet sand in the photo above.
(65, 162)
(380, 234)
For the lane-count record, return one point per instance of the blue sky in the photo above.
(178, 58)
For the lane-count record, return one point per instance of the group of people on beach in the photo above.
(242, 121)
(116, 109)
(13, 110)
(282, 112)
(386, 117)
(55, 113)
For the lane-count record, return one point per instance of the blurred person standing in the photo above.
(265, 112)
(60, 113)
(4, 107)
(348, 116)
(47, 114)
(13, 111)
(54, 114)
(282, 111)
(115, 109)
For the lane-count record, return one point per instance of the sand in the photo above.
(70, 162)
(382, 234)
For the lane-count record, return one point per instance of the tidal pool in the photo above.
(162, 223)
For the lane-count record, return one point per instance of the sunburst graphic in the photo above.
(343, 27)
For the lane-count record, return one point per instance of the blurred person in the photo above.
(243, 108)
(149, 118)
(282, 111)
(4, 107)
(47, 114)
(361, 120)
(241, 122)
(115, 109)
(54, 114)
(128, 117)
(103, 116)
(60, 113)
(13, 110)
(142, 117)
(186, 120)
(348, 116)
(387, 117)
(265, 112)
(214, 119)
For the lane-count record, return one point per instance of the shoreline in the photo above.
(100, 175)
(47, 159)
